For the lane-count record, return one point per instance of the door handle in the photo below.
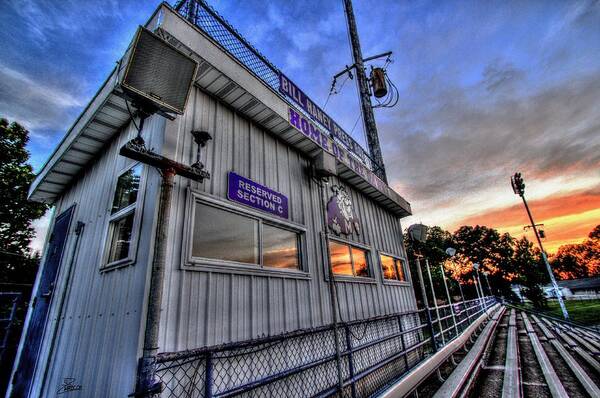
(48, 294)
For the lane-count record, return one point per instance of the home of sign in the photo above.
(249, 193)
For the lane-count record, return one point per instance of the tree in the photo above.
(595, 234)
(17, 264)
(491, 250)
(530, 271)
(433, 249)
(579, 260)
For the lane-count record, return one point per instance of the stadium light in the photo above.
(518, 187)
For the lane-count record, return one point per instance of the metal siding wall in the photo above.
(207, 308)
(97, 337)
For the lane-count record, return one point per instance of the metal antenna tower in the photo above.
(365, 95)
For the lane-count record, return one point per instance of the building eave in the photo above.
(220, 75)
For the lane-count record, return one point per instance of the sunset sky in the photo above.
(487, 88)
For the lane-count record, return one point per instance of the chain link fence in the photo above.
(12, 313)
(214, 25)
(361, 359)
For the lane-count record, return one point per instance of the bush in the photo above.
(536, 295)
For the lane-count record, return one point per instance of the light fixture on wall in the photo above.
(200, 138)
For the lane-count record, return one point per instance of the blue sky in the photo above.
(486, 87)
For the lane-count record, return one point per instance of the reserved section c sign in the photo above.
(247, 192)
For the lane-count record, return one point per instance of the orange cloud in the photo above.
(567, 219)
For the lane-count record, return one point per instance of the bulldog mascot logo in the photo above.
(340, 212)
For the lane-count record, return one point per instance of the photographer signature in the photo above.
(68, 385)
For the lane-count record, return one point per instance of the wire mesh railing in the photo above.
(370, 355)
(9, 302)
(214, 25)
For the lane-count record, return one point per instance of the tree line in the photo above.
(507, 260)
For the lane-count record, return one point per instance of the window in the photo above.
(223, 235)
(348, 260)
(280, 248)
(120, 238)
(122, 217)
(128, 185)
(392, 267)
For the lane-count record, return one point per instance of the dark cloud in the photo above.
(36, 104)
(463, 141)
(500, 75)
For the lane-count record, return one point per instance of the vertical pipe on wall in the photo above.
(146, 383)
(332, 287)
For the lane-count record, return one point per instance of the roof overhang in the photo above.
(92, 130)
(220, 75)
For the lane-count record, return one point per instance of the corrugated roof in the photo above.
(582, 283)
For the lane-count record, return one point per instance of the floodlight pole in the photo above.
(448, 296)
(485, 274)
(425, 301)
(480, 295)
(480, 285)
(519, 189)
(437, 310)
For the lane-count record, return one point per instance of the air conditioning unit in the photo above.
(158, 76)
(325, 164)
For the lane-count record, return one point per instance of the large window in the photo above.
(221, 235)
(119, 246)
(392, 267)
(224, 235)
(348, 260)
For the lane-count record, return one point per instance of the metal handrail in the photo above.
(411, 343)
(561, 320)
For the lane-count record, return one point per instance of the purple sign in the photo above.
(288, 88)
(250, 193)
(341, 217)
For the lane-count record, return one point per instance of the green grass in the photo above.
(584, 312)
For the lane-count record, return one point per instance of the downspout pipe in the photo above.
(147, 385)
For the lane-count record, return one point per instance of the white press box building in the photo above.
(247, 252)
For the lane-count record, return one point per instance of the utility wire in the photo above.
(333, 90)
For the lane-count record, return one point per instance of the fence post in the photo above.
(208, 378)
(350, 361)
(431, 331)
(402, 343)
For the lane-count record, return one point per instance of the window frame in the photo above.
(192, 263)
(347, 278)
(402, 259)
(112, 219)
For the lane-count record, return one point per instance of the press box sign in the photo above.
(249, 193)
